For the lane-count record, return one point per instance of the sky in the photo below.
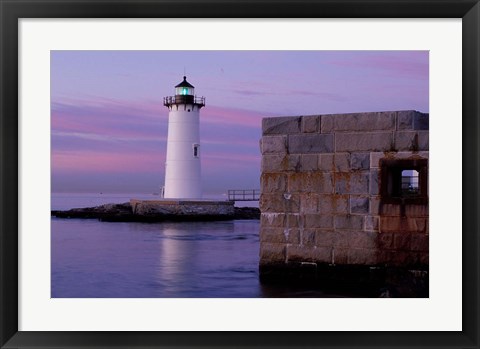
(109, 125)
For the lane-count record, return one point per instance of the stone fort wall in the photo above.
(329, 191)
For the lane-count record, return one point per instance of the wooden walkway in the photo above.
(244, 194)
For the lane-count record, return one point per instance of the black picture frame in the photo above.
(12, 10)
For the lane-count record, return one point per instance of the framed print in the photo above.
(319, 116)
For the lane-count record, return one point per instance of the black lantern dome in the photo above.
(185, 83)
(184, 94)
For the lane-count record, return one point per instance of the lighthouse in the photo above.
(182, 166)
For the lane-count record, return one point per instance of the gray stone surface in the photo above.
(273, 163)
(310, 143)
(340, 255)
(274, 144)
(325, 162)
(273, 182)
(421, 121)
(272, 203)
(390, 210)
(348, 222)
(352, 183)
(310, 124)
(281, 125)
(293, 163)
(320, 190)
(326, 123)
(412, 120)
(325, 238)
(423, 140)
(359, 204)
(309, 203)
(399, 224)
(341, 236)
(419, 242)
(272, 252)
(374, 205)
(368, 141)
(319, 221)
(294, 220)
(310, 182)
(402, 241)
(412, 141)
(360, 161)
(280, 236)
(362, 256)
(363, 239)
(374, 182)
(375, 158)
(333, 204)
(308, 237)
(416, 211)
(365, 122)
(405, 119)
(371, 223)
(309, 162)
(342, 162)
(300, 253)
(276, 220)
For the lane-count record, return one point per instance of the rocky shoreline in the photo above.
(124, 213)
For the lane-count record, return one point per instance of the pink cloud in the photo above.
(232, 116)
(102, 116)
(106, 162)
(399, 64)
(230, 160)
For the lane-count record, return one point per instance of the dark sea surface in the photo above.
(93, 259)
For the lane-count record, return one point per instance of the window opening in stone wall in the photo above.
(410, 184)
(404, 180)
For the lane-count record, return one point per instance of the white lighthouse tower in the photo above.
(182, 167)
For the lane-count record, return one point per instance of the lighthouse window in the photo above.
(195, 150)
(184, 91)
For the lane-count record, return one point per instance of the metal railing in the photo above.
(244, 195)
(183, 99)
(410, 186)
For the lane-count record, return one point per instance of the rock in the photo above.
(99, 212)
(123, 213)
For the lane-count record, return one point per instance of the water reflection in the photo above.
(207, 259)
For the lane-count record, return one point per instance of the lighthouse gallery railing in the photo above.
(183, 99)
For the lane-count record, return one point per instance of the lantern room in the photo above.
(184, 95)
(184, 88)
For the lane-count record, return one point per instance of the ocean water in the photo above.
(93, 259)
